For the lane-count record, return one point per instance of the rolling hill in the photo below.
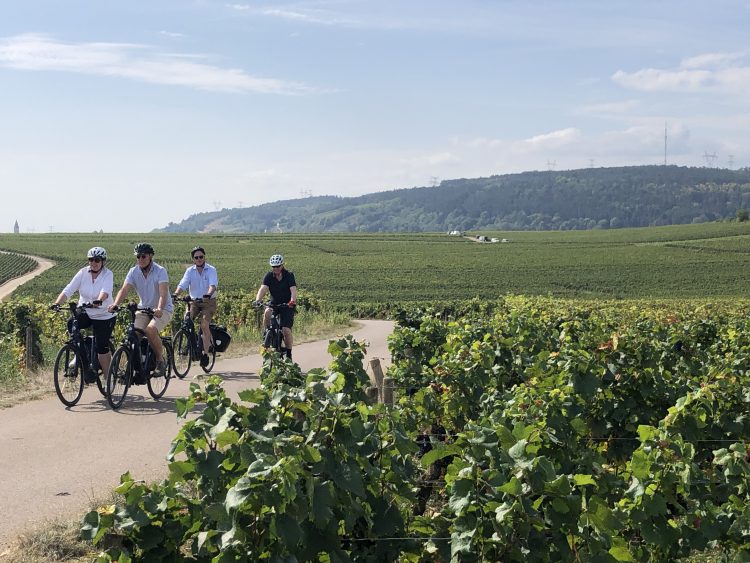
(634, 196)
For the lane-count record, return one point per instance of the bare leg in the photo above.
(155, 340)
(206, 334)
(104, 361)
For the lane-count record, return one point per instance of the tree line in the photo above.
(592, 198)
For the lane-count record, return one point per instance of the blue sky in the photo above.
(124, 116)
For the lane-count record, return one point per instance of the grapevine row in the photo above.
(524, 431)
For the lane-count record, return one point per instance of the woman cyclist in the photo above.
(94, 285)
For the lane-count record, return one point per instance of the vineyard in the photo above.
(683, 262)
(14, 265)
(525, 429)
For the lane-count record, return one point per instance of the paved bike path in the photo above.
(54, 460)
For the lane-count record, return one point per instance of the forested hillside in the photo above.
(634, 196)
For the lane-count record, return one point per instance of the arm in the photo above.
(213, 281)
(163, 293)
(184, 282)
(70, 289)
(124, 290)
(261, 292)
(293, 289)
(107, 289)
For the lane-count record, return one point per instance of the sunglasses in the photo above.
(199, 257)
(279, 266)
(139, 256)
(97, 259)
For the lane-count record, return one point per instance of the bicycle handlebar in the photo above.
(188, 299)
(133, 308)
(260, 304)
(73, 306)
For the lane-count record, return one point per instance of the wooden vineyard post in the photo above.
(377, 376)
(388, 390)
(29, 348)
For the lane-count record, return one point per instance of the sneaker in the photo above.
(71, 369)
(161, 369)
(204, 360)
(90, 377)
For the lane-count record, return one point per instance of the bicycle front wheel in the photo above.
(181, 357)
(68, 375)
(118, 378)
(157, 384)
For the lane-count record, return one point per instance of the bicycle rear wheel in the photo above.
(68, 375)
(157, 384)
(181, 357)
(119, 376)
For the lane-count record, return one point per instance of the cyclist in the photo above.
(94, 285)
(151, 282)
(201, 281)
(281, 284)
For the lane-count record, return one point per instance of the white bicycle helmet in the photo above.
(97, 252)
(276, 260)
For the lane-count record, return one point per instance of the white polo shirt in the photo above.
(198, 282)
(148, 286)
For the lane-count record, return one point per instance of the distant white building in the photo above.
(455, 233)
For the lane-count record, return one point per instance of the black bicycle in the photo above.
(273, 337)
(134, 363)
(188, 345)
(77, 362)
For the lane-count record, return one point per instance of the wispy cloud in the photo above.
(716, 72)
(553, 139)
(38, 52)
(171, 34)
(608, 109)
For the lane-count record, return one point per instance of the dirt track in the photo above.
(8, 287)
(53, 459)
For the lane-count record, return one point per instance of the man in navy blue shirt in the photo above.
(280, 283)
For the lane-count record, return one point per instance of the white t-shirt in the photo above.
(148, 286)
(89, 290)
(198, 282)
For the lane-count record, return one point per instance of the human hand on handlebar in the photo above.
(292, 303)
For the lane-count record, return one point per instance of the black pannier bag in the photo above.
(221, 337)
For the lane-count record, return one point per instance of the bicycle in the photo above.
(134, 363)
(77, 362)
(273, 337)
(188, 346)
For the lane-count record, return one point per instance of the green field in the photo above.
(683, 262)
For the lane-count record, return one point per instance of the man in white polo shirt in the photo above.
(201, 281)
(151, 282)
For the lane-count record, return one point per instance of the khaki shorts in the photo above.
(142, 320)
(207, 308)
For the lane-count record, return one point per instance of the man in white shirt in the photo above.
(201, 281)
(151, 282)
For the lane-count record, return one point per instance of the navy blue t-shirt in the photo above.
(280, 289)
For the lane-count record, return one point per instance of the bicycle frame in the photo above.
(187, 344)
(134, 362)
(77, 360)
(274, 336)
